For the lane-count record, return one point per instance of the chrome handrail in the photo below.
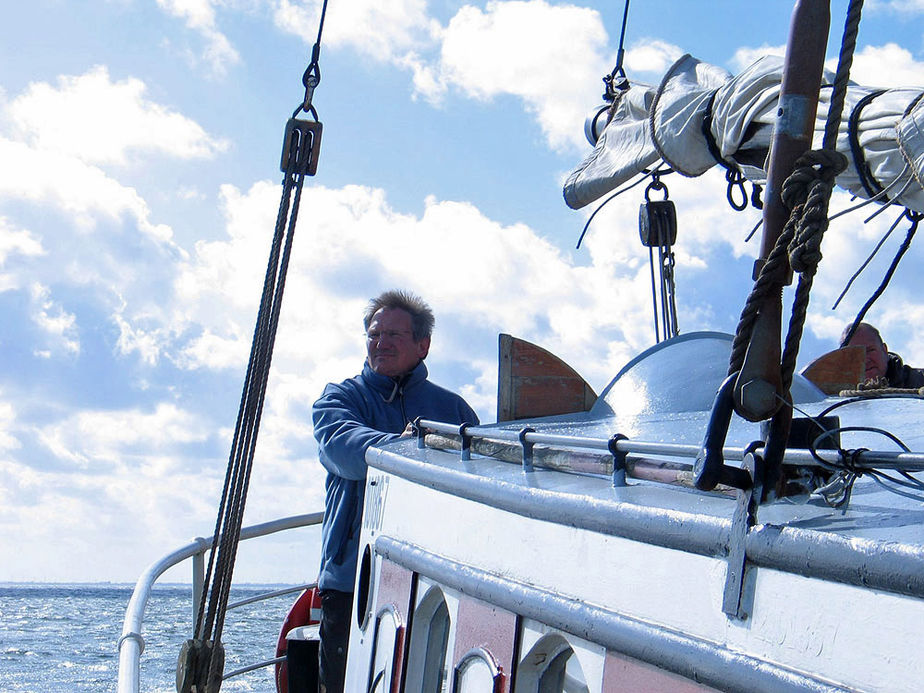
(909, 461)
(131, 644)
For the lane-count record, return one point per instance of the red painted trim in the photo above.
(479, 624)
(622, 673)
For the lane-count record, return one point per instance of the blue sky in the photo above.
(139, 148)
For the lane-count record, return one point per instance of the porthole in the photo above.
(364, 589)
(428, 661)
(476, 672)
(551, 666)
(388, 635)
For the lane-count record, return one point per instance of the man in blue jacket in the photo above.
(372, 408)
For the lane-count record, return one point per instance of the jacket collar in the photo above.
(389, 387)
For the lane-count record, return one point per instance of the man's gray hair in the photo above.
(422, 319)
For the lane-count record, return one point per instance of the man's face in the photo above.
(877, 357)
(390, 346)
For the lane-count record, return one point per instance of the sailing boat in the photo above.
(647, 539)
(619, 549)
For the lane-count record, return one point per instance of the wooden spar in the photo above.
(759, 385)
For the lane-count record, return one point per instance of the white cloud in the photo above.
(385, 31)
(135, 338)
(104, 439)
(49, 160)
(509, 48)
(81, 190)
(57, 323)
(745, 57)
(105, 121)
(517, 47)
(651, 55)
(457, 258)
(8, 438)
(199, 16)
(15, 242)
(889, 65)
(901, 6)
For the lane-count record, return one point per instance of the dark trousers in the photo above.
(336, 611)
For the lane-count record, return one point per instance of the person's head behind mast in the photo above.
(877, 353)
(398, 327)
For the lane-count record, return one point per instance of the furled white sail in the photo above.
(881, 132)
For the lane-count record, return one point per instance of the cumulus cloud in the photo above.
(56, 165)
(746, 56)
(357, 244)
(199, 16)
(652, 56)
(106, 121)
(889, 65)
(15, 242)
(83, 191)
(513, 48)
(519, 48)
(58, 324)
(112, 438)
(8, 439)
(386, 31)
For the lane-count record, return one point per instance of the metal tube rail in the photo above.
(253, 667)
(910, 461)
(131, 644)
(269, 595)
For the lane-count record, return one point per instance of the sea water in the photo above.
(65, 637)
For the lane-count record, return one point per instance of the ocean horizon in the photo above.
(63, 636)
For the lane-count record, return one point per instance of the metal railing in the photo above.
(909, 461)
(131, 644)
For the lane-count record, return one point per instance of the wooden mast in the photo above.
(758, 388)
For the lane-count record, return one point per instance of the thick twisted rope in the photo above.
(813, 185)
(806, 192)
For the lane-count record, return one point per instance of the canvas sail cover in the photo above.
(881, 132)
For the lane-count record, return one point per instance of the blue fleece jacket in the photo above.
(369, 409)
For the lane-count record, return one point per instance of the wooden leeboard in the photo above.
(533, 382)
(841, 369)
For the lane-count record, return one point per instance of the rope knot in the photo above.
(807, 192)
(816, 166)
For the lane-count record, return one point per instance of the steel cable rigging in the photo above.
(201, 661)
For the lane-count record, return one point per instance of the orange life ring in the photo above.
(304, 612)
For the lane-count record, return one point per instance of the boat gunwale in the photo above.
(883, 565)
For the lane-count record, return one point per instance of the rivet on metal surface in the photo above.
(619, 459)
(744, 518)
(527, 448)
